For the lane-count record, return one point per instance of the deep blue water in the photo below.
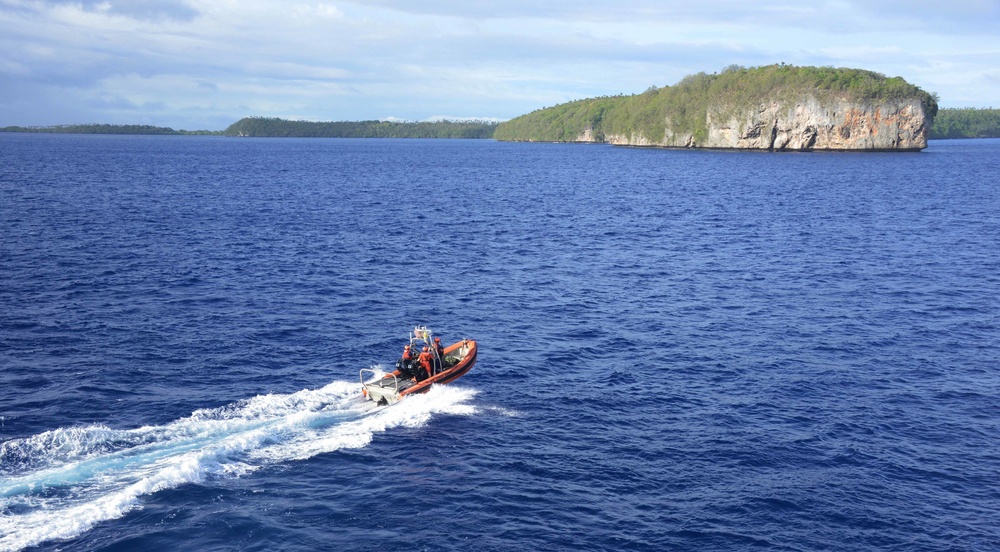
(678, 350)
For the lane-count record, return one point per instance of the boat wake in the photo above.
(61, 483)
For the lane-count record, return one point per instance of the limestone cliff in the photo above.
(806, 124)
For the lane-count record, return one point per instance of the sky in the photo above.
(204, 64)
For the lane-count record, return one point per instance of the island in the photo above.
(966, 122)
(775, 107)
(274, 127)
(96, 128)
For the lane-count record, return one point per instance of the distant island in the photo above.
(271, 127)
(771, 107)
(966, 123)
(109, 129)
(280, 128)
(775, 107)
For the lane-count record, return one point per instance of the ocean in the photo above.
(678, 350)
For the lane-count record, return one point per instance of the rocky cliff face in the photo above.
(806, 124)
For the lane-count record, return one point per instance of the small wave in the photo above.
(60, 483)
(507, 412)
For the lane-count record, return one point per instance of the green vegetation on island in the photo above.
(966, 123)
(108, 129)
(683, 109)
(272, 127)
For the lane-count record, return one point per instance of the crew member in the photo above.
(426, 359)
(439, 358)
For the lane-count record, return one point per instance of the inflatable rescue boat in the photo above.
(458, 358)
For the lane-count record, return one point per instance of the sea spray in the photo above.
(61, 483)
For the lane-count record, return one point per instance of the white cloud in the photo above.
(176, 62)
(458, 119)
(151, 10)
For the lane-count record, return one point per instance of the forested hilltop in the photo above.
(771, 107)
(272, 127)
(966, 123)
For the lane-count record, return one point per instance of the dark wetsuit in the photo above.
(439, 361)
(405, 364)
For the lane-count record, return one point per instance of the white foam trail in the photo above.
(61, 483)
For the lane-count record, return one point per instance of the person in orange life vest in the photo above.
(439, 358)
(426, 358)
